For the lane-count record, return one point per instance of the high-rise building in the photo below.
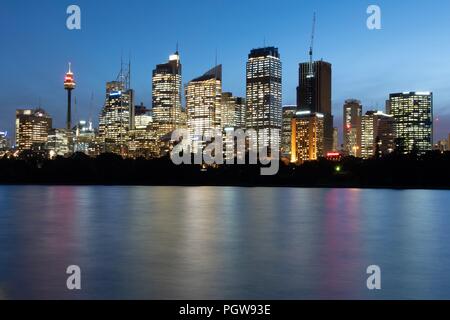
(314, 94)
(166, 95)
(32, 128)
(286, 131)
(307, 136)
(117, 117)
(388, 107)
(377, 138)
(413, 121)
(142, 117)
(57, 143)
(203, 107)
(335, 139)
(264, 96)
(84, 138)
(233, 111)
(4, 141)
(352, 127)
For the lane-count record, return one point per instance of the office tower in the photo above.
(233, 111)
(166, 95)
(69, 85)
(413, 121)
(117, 115)
(388, 107)
(307, 136)
(142, 117)
(32, 128)
(335, 139)
(377, 137)
(264, 96)
(4, 141)
(314, 94)
(286, 131)
(84, 138)
(57, 143)
(203, 107)
(352, 127)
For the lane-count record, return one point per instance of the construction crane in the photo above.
(311, 63)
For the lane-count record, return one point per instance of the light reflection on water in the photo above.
(223, 243)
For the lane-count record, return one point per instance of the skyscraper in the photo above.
(377, 137)
(314, 94)
(117, 115)
(413, 121)
(286, 132)
(4, 141)
(166, 95)
(84, 138)
(233, 111)
(335, 139)
(142, 117)
(307, 136)
(203, 107)
(352, 127)
(58, 142)
(32, 128)
(264, 95)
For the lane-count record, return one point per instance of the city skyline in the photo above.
(92, 73)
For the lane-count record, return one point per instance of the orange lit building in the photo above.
(307, 136)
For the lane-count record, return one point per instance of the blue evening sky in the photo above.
(411, 52)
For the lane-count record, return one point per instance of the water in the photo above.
(223, 243)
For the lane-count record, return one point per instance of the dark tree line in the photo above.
(394, 171)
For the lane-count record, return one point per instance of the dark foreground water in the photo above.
(223, 243)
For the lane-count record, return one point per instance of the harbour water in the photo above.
(223, 243)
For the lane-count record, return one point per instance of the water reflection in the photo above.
(222, 243)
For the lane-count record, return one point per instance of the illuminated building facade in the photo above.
(264, 96)
(352, 127)
(378, 137)
(84, 138)
(117, 117)
(58, 143)
(166, 95)
(142, 117)
(32, 128)
(286, 131)
(335, 139)
(204, 106)
(4, 141)
(314, 94)
(307, 136)
(442, 145)
(413, 121)
(233, 111)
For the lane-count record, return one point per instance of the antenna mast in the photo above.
(311, 63)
